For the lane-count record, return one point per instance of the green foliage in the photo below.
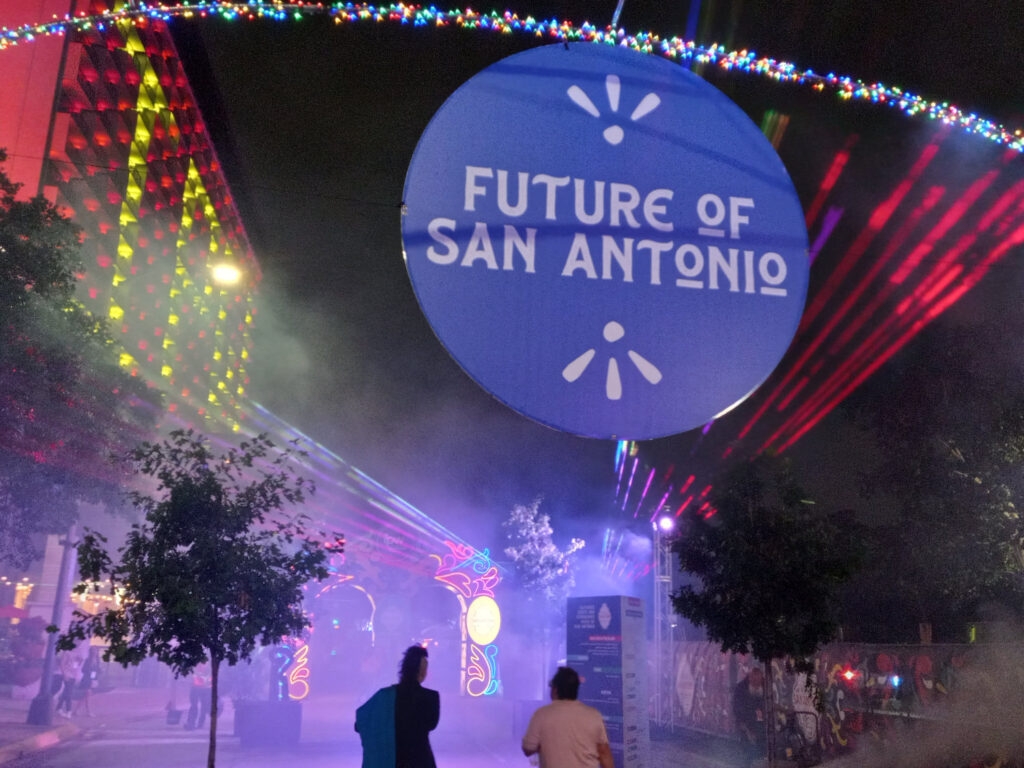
(948, 542)
(543, 570)
(218, 566)
(66, 407)
(767, 566)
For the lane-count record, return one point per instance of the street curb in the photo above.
(38, 742)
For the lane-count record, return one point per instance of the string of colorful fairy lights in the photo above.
(675, 48)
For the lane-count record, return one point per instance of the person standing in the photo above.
(90, 671)
(567, 733)
(394, 725)
(748, 709)
(199, 697)
(71, 675)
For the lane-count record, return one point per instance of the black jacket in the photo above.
(417, 710)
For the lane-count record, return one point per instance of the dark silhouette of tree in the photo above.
(216, 570)
(947, 541)
(765, 568)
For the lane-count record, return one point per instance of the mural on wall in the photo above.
(870, 692)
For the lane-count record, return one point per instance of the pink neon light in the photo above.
(931, 199)
(643, 495)
(661, 504)
(792, 393)
(684, 505)
(911, 331)
(831, 219)
(831, 177)
(629, 485)
(878, 220)
(298, 675)
(934, 195)
(472, 584)
(951, 217)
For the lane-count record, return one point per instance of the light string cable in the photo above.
(675, 48)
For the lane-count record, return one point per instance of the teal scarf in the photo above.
(375, 721)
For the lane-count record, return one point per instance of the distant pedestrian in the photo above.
(90, 671)
(567, 733)
(748, 709)
(71, 663)
(394, 725)
(199, 697)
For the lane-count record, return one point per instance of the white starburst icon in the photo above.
(613, 331)
(613, 134)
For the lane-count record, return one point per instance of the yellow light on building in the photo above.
(226, 274)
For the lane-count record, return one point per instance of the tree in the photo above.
(66, 408)
(544, 572)
(217, 567)
(950, 444)
(541, 567)
(768, 568)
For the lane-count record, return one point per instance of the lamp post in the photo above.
(40, 711)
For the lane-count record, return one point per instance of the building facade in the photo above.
(103, 123)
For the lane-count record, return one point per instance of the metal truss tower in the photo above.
(663, 710)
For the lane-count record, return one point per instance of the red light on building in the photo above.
(173, 190)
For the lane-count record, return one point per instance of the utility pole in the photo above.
(40, 711)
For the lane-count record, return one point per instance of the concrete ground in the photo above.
(129, 729)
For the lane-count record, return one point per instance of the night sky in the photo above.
(315, 126)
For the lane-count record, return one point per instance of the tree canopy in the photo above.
(766, 568)
(218, 565)
(67, 410)
(945, 483)
(542, 568)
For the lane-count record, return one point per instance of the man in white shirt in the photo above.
(567, 733)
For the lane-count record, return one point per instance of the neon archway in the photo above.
(676, 49)
(472, 577)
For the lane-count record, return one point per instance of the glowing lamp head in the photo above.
(849, 674)
(226, 274)
(666, 523)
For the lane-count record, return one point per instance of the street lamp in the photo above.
(226, 273)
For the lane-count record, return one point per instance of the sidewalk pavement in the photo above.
(18, 739)
(113, 710)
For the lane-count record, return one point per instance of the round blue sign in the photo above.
(604, 241)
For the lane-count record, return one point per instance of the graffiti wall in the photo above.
(873, 694)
